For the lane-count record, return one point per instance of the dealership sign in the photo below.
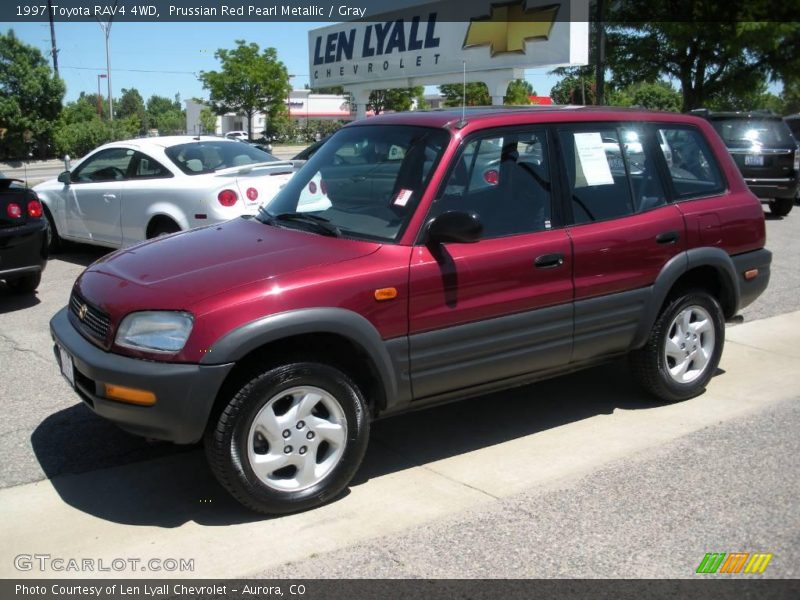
(416, 47)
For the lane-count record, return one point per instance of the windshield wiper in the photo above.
(321, 224)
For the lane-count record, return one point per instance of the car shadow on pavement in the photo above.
(81, 254)
(100, 470)
(13, 301)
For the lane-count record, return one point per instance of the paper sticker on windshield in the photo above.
(402, 197)
(592, 166)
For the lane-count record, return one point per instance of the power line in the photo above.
(132, 70)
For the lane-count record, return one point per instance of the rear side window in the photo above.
(147, 168)
(611, 172)
(692, 166)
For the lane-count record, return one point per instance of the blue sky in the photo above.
(172, 53)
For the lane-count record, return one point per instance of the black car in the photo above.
(765, 151)
(23, 236)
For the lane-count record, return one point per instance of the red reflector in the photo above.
(312, 187)
(34, 209)
(491, 177)
(751, 274)
(252, 193)
(323, 187)
(14, 211)
(201, 216)
(227, 197)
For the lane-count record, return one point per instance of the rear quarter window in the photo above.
(692, 167)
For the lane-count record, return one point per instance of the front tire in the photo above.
(780, 207)
(684, 348)
(290, 438)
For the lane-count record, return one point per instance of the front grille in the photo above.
(95, 324)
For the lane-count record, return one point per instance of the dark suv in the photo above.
(458, 256)
(765, 151)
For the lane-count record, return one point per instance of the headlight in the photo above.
(155, 331)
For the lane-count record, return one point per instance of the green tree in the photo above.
(419, 98)
(757, 97)
(165, 115)
(333, 89)
(208, 120)
(248, 82)
(574, 88)
(78, 138)
(30, 99)
(477, 94)
(790, 97)
(130, 105)
(711, 48)
(657, 95)
(395, 99)
(80, 111)
(518, 93)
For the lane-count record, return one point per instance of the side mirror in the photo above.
(455, 226)
(64, 177)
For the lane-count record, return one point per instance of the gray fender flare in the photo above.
(677, 266)
(236, 344)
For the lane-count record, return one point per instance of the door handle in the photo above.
(667, 237)
(109, 196)
(549, 261)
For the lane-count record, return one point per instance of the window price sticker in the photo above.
(402, 198)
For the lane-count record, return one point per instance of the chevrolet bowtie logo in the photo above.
(82, 312)
(509, 26)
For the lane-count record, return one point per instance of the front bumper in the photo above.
(23, 249)
(750, 289)
(185, 393)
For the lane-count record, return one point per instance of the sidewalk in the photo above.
(528, 439)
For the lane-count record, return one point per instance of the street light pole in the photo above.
(108, 73)
(106, 27)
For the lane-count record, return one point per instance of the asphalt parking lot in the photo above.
(609, 461)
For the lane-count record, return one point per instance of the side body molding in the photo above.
(677, 266)
(239, 342)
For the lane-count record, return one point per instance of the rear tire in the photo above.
(290, 438)
(780, 207)
(54, 241)
(684, 348)
(162, 228)
(26, 284)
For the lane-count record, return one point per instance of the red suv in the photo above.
(457, 256)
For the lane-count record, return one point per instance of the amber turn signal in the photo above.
(130, 395)
(751, 274)
(385, 294)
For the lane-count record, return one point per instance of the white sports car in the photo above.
(125, 192)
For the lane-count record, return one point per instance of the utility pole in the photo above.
(600, 55)
(53, 49)
(106, 27)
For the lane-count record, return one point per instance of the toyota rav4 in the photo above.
(458, 254)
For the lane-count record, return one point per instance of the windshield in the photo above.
(196, 158)
(365, 181)
(741, 132)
